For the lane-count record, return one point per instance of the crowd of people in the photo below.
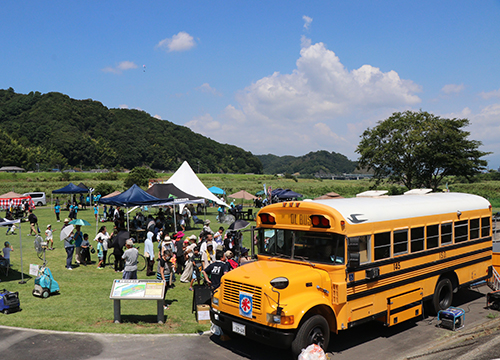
(206, 257)
(196, 259)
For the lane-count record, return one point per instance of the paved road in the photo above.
(418, 339)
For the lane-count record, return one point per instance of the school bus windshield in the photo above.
(302, 245)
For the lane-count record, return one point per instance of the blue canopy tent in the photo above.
(69, 189)
(134, 196)
(217, 191)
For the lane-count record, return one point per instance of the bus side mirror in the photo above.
(353, 245)
(353, 260)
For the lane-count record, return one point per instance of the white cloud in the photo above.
(491, 94)
(123, 106)
(206, 88)
(179, 42)
(318, 106)
(121, 67)
(485, 127)
(204, 122)
(307, 21)
(453, 88)
(157, 117)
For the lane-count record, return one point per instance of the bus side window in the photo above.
(400, 245)
(485, 226)
(461, 231)
(446, 232)
(474, 229)
(382, 245)
(417, 239)
(432, 236)
(364, 249)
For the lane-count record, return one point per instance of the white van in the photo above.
(37, 197)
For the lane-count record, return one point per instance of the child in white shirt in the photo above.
(49, 237)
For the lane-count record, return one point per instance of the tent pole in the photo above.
(128, 225)
(21, 251)
(175, 221)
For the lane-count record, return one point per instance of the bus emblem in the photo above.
(246, 304)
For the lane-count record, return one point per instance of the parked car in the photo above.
(38, 198)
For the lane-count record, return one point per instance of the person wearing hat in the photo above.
(188, 254)
(206, 227)
(130, 256)
(166, 244)
(230, 261)
(49, 237)
(244, 258)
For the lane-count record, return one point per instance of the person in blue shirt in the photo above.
(75, 210)
(96, 211)
(57, 211)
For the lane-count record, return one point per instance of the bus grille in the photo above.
(335, 294)
(231, 293)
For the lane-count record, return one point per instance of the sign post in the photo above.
(138, 290)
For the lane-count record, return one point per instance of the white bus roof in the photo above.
(381, 208)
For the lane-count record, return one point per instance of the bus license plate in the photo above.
(238, 328)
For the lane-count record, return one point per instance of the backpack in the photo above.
(232, 263)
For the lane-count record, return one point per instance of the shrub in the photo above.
(139, 176)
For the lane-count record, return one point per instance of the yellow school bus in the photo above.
(328, 265)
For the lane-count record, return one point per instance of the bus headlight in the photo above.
(215, 301)
(280, 319)
(279, 283)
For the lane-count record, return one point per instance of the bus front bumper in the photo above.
(264, 334)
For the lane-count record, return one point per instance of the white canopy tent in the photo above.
(186, 180)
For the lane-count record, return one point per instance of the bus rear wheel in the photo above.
(443, 295)
(314, 330)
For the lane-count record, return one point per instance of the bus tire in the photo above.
(314, 330)
(443, 295)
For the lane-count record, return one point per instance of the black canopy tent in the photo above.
(170, 191)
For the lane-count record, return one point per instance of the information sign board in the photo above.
(137, 289)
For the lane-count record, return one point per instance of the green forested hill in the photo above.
(54, 130)
(310, 164)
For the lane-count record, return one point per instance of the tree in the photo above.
(139, 176)
(419, 149)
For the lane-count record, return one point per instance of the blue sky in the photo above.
(280, 77)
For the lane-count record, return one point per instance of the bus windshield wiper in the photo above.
(281, 255)
(304, 259)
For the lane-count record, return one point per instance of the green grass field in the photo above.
(83, 303)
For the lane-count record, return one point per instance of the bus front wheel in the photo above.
(314, 330)
(443, 295)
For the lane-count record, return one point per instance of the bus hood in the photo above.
(260, 273)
